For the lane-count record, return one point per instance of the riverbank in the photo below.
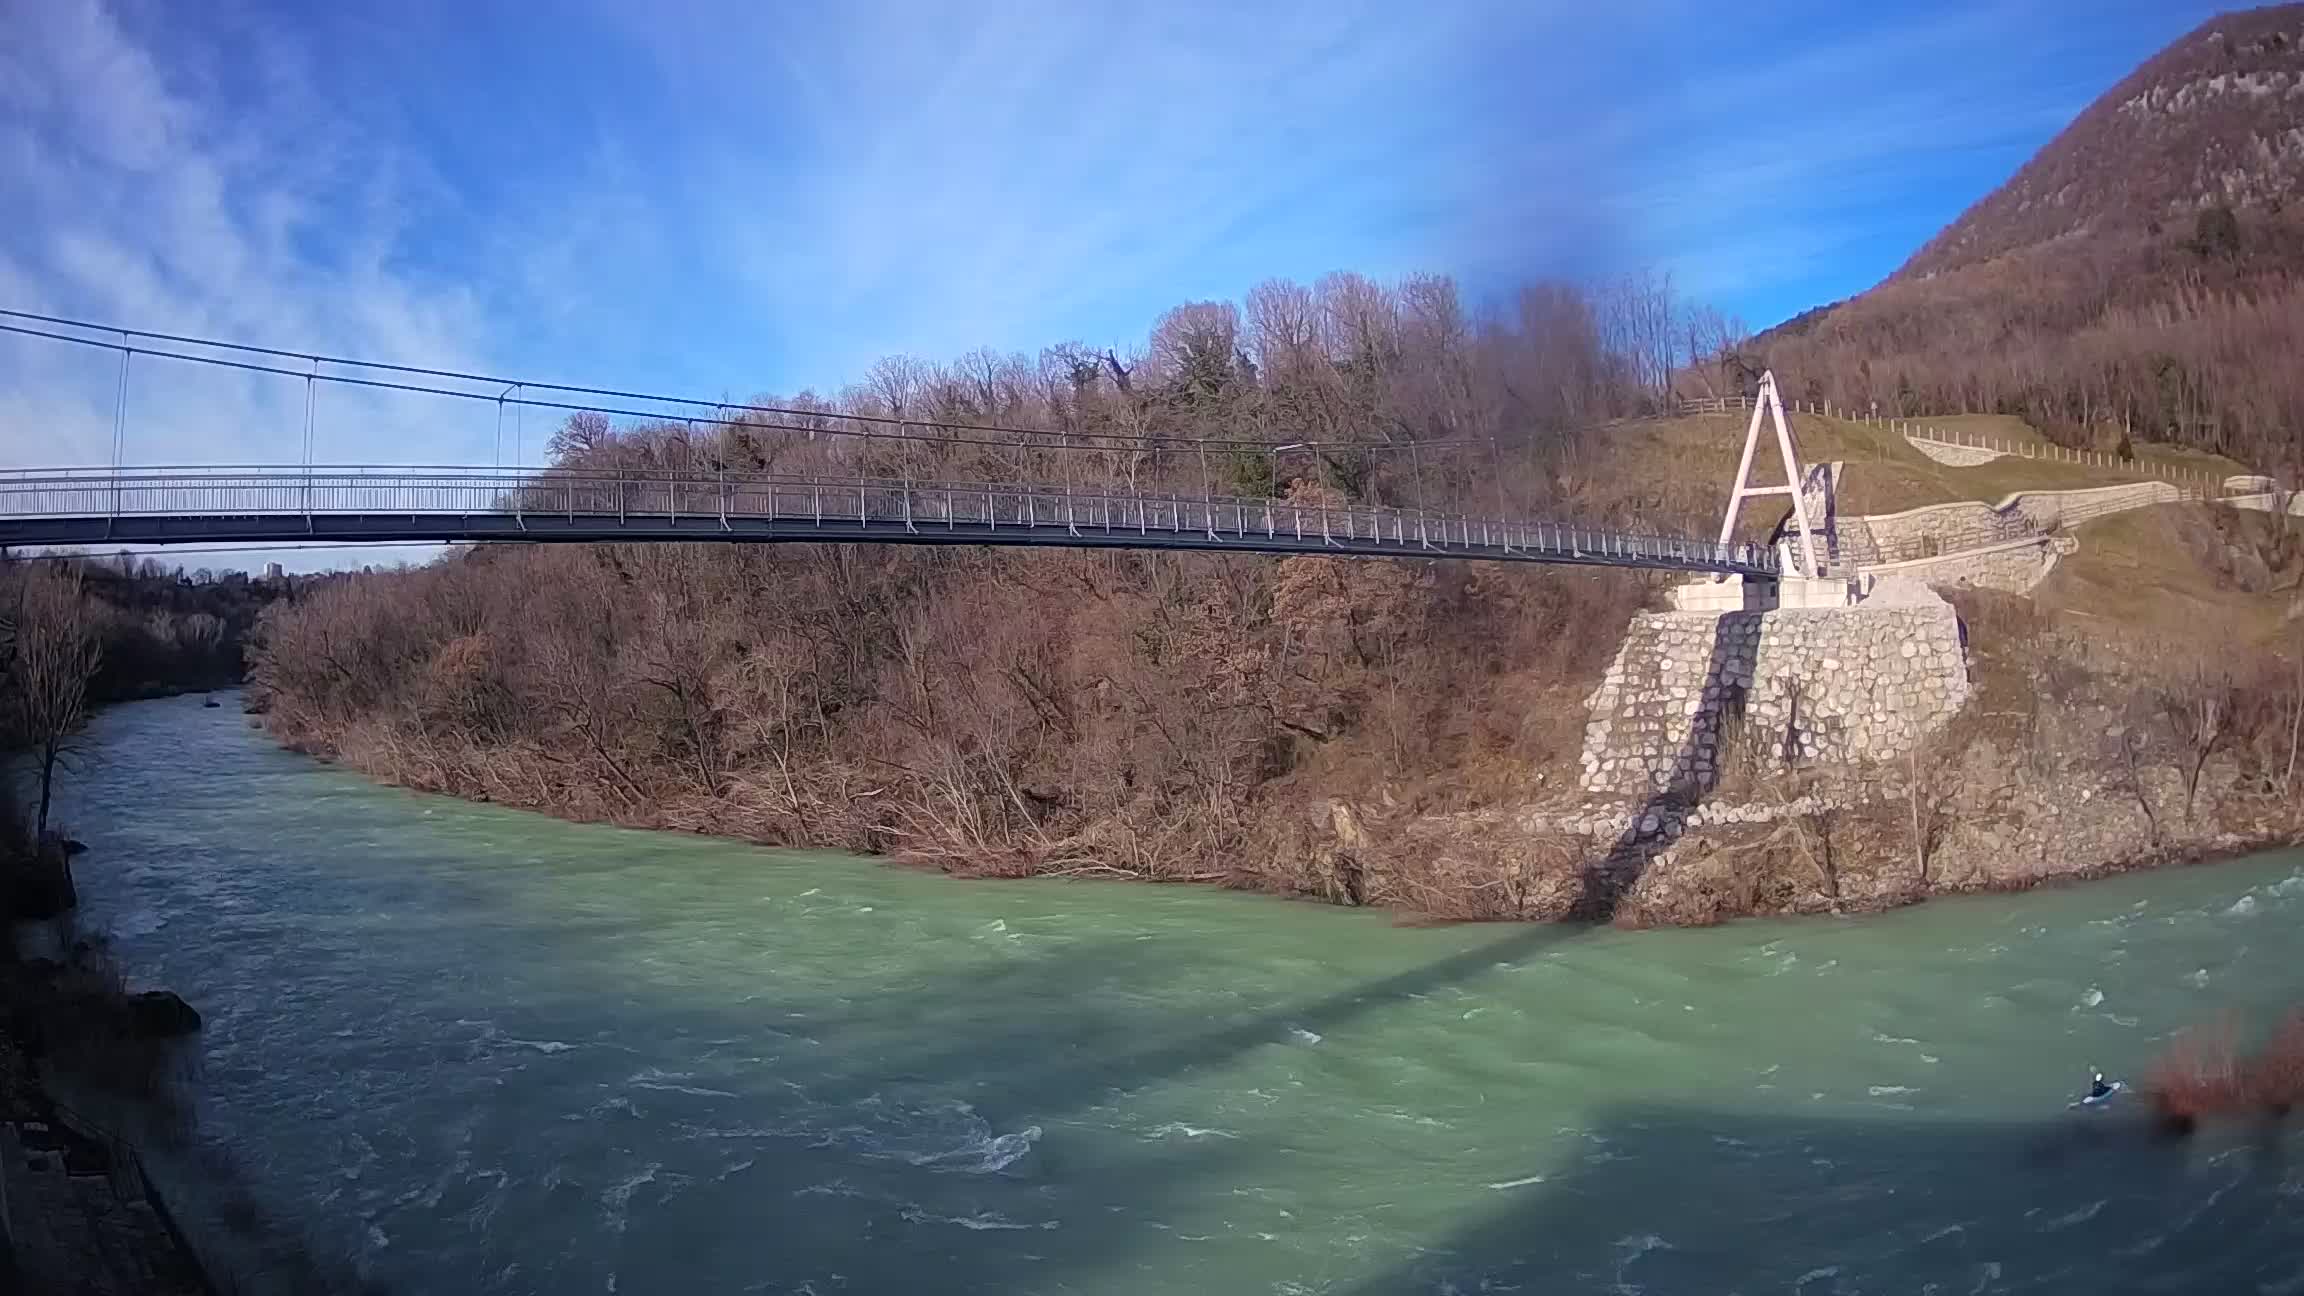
(1409, 736)
(1850, 851)
(2026, 788)
(471, 1050)
(2078, 755)
(1864, 842)
(77, 1212)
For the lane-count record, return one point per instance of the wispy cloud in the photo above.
(893, 177)
(201, 195)
(1810, 152)
(730, 197)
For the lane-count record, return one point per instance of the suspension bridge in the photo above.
(270, 504)
(124, 504)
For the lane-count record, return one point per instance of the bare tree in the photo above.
(678, 655)
(2197, 706)
(1011, 711)
(1358, 321)
(2131, 745)
(1715, 346)
(1930, 813)
(1941, 796)
(53, 651)
(1639, 323)
(2295, 724)
(895, 385)
(1283, 328)
(1197, 349)
(580, 436)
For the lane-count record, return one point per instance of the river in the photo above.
(478, 1050)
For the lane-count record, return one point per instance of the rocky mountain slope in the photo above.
(2215, 120)
(2139, 276)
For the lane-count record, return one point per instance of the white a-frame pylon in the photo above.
(1768, 404)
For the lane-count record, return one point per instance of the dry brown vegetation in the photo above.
(73, 635)
(1298, 725)
(999, 712)
(1328, 728)
(2203, 1074)
(2186, 122)
(2130, 693)
(2142, 276)
(1146, 714)
(49, 629)
(2198, 1075)
(2102, 343)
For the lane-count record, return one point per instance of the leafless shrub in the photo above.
(2197, 1076)
(1140, 714)
(2204, 1074)
(2275, 1074)
(52, 653)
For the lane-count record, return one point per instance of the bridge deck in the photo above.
(388, 505)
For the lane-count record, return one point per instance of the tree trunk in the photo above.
(47, 787)
(2136, 785)
(2192, 781)
(1831, 862)
(2295, 725)
(1919, 835)
(1919, 842)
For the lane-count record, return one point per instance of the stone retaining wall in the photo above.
(1830, 686)
(2291, 503)
(2049, 510)
(1966, 524)
(1973, 524)
(2014, 567)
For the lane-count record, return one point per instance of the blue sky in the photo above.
(739, 198)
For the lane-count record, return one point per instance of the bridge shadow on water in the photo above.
(1059, 1053)
(1670, 1201)
(793, 1185)
(1655, 1199)
(547, 1143)
(851, 1157)
(833, 1171)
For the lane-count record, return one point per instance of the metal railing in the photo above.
(62, 506)
(1741, 404)
(2195, 482)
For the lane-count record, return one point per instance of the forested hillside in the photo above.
(2142, 276)
(76, 633)
(1220, 718)
(157, 627)
(1163, 715)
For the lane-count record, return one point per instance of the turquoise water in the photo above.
(476, 1050)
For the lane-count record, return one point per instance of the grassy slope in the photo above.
(1883, 473)
(2161, 573)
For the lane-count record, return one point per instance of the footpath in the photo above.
(76, 1215)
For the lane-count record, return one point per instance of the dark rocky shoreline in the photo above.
(80, 1214)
